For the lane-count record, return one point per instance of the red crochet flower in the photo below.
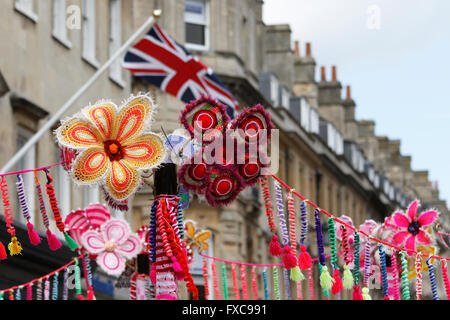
(410, 227)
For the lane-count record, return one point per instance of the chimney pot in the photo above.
(296, 50)
(308, 49)
(349, 97)
(333, 73)
(322, 73)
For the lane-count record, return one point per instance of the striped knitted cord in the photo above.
(445, 278)
(30, 291)
(311, 284)
(39, 290)
(180, 219)
(55, 286)
(418, 264)
(319, 236)
(367, 263)
(254, 284)
(332, 234)
(54, 202)
(235, 282)
(405, 285)
(65, 294)
(299, 291)
(291, 216)
(77, 279)
(244, 283)
(152, 233)
(87, 269)
(345, 245)
(215, 284)
(47, 289)
(356, 260)
(276, 286)
(287, 285)
(266, 289)
(162, 227)
(42, 208)
(205, 278)
(8, 212)
(383, 270)
(268, 204)
(174, 222)
(224, 280)
(432, 279)
(304, 222)
(18, 294)
(395, 275)
(22, 198)
(280, 213)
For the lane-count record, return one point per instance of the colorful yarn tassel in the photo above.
(357, 294)
(337, 283)
(326, 281)
(3, 254)
(289, 260)
(304, 259)
(14, 246)
(445, 278)
(405, 285)
(347, 280)
(365, 294)
(33, 235)
(432, 279)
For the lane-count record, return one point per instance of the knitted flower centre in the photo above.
(114, 150)
(110, 246)
(414, 228)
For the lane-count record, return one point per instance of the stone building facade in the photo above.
(325, 153)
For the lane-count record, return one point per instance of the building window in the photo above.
(196, 18)
(89, 31)
(26, 7)
(27, 162)
(274, 90)
(59, 23)
(115, 36)
(285, 96)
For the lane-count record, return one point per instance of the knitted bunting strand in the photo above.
(244, 283)
(14, 246)
(418, 264)
(275, 248)
(18, 294)
(235, 282)
(357, 295)
(304, 222)
(39, 290)
(383, 272)
(47, 289)
(296, 275)
(395, 275)
(30, 291)
(254, 284)
(287, 286)
(276, 286)
(266, 289)
(405, 285)
(311, 284)
(32, 234)
(445, 278)
(65, 294)
(224, 280)
(215, 284)
(55, 287)
(332, 234)
(432, 279)
(205, 278)
(367, 263)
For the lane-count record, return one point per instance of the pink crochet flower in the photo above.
(113, 245)
(410, 227)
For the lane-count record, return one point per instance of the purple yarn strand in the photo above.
(319, 235)
(304, 222)
(366, 263)
(22, 198)
(280, 213)
(287, 285)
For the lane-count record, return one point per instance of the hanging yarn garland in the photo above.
(326, 281)
(244, 283)
(56, 213)
(14, 246)
(347, 279)
(325, 291)
(52, 240)
(383, 271)
(367, 262)
(337, 285)
(77, 273)
(405, 285)
(432, 279)
(266, 287)
(304, 259)
(296, 275)
(395, 275)
(47, 289)
(418, 264)
(287, 285)
(275, 248)
(39, 290)
(55, 286)
(18, 294)
(311, 285)
(254, 285)
(215, 284)
(205, 278)
(235, 282)
(65, 293)
(88, 277)
(224, 280)
(289, 260)
(445, 278)
(33, 235)
(357, 295)
(133, 290)
(276, 286)
(152, 238)
(299, 291)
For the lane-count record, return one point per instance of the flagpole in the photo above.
(35, 138)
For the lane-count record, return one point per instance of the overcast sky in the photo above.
(395, 55)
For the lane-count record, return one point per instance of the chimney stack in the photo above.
(333, 73)
(322, 73)
(348, 96)
(308, 49)
(296, 49)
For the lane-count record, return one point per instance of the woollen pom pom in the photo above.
(176, 265)
(14, 246)
(275, 248)
(326, 281)
(296, 275)
(3, 255)
(304, 259)
(33, 235)
(348, 278)
(289, 260)
(365, 294)
(337, 285)
(53, 242)
(357, 295)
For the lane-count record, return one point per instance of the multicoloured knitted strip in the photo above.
(205, 278)
(266, 289)
(254, 285)
(280, 213)
(432, 279)
(276, 286)
(39, 290)
(268, 204)
(405, 285)
(383, 271)
(367, 263)
(30, 291)
(356, 261)
(235, 282)
(244, 283)
(47, 289)
(152, 233)
(304, 222)
(42, 208)
(418, 265)
(55, 286)
(445, 278)
(287, 285)
(22, 198)
(224, 280)
(332, 234)
(14, 246)
(18, 294)
(65, 286)
(395, 275)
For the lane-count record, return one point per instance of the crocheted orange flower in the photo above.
(112, 145)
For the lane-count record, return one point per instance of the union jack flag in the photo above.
(163, 62)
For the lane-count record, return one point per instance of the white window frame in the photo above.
(26, 7)
(314, 121)
(115, 41)
(89, 33)
(305, 120)
(59, 23)
(274, 90)
(206, 24)
(285, 96)
(28, 161)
